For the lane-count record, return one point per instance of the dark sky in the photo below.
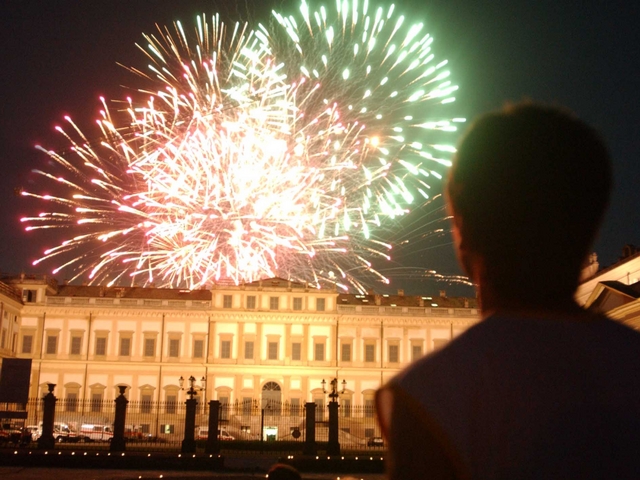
(58, 57)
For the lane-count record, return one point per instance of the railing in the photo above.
(160, 425)
(130, 302)
(10, 292)
(406, 311)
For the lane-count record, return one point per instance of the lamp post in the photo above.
(189, 442)
(194, 388)
(333, 447)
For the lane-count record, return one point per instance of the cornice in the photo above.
(112, 312)
(268, 317)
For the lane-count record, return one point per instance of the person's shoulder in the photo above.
(461, 350)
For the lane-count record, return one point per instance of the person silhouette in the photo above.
(282, 471)
(540, 388)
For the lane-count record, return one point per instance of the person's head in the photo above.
(528, 189)
(282, 471)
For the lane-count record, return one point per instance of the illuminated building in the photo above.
(271, 339)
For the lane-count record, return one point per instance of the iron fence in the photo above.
(153, 425)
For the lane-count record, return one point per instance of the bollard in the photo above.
(118, 440)
(46, 440)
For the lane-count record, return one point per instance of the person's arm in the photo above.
(413, 451)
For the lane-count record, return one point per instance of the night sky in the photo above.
(58, 57)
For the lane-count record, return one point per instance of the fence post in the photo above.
(189, 442)
(213, 444)
(46, 440)
(117, 442)
(310, 447)
(333, 447)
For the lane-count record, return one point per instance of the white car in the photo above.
(96, 432)
(62, 433)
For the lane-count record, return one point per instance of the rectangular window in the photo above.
(198, 348)
(274, 303)
(346, 407)
(394, 353)
(416, 352)
(171, 404)
(320, 304)
(346, 352)
(145, 404)
(370, 353)
(319, 352)
(251, 302)
(297, 303)
(29, 296)
(27, 343)
(319, 409)
(52, 344)
(224, 408)
(368, 408)
(167, 429)
(248, 350)
(174, 347)
(227, 301)
(225, 349)
(71, 404)
(96, 402)
(101, 346)
(149, 347)
(295, 407)
(76, 345)
(246, 405)
(273, 351)
(125, 347)
(296, 351)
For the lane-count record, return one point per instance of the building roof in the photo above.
(407, 301)
(610, 295)
(275, 282)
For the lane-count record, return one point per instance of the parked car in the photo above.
(62, 433)
(375, 442)
(33, 430)
(133, 433)
(90, 432)
(202, 433)
(10, 434)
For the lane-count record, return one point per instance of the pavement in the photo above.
(237, 467)
(30, 473)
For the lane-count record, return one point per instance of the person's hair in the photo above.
(530, 185)
(282, 471)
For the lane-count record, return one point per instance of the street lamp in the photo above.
(333, 446)
(194, 388)
(189, 442)
(334, 394)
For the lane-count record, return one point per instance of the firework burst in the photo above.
(275, 151)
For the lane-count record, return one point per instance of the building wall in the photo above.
(88, 346)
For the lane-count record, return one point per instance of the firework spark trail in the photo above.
(269, 152)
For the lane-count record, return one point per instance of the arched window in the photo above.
(272, 398)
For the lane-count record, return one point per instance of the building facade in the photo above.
(272, 340)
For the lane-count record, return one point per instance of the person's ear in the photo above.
(464, 251)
